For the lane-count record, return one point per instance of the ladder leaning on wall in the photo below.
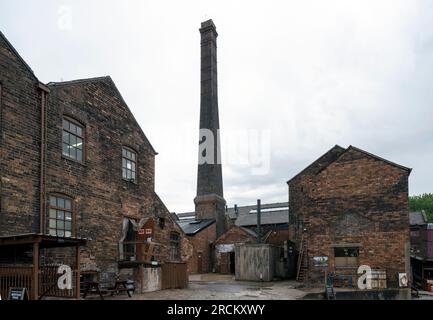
(302, 260)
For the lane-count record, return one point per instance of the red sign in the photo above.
(148, 231)
(141, 231)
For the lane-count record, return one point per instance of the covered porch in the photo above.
(20, 265)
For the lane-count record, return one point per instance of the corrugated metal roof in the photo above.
(192, 227)
(274, 217)
(272, 213)
(264, 207)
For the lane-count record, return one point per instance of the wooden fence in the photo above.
(22, 277)
(174, 275)
(48, 286)
(15, 277)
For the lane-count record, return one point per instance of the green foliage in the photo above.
(422, 202)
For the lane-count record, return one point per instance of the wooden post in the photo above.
(259, 222)
(35, 289)
(77, 273)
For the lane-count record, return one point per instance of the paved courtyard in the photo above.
(225, 287)
(218, 287)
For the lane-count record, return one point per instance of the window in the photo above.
(60, 217)
(174, 247)
(161, 223)
(129, 165)
(73, 140)
(346, 257)
(130, 249)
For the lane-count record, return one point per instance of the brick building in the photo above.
(421, 250)
(201, 235)
(350, 208)
(241, 227)
(225, 261)
(76, 164)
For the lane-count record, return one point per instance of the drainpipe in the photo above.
(42, 195)
(1, 143)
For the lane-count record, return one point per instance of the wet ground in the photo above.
(219, 287)
(225, 287)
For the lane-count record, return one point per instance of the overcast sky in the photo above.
(302, 75)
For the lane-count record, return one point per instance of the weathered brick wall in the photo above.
(19, 145)
(357, 199)
(235, 235)
(278, 237)
(102, 199)
(201, 243)
(226, 243)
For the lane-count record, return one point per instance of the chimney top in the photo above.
(208, 25)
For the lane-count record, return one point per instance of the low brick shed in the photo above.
(255, 262)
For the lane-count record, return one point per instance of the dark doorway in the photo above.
(200, 262)
(232, 263)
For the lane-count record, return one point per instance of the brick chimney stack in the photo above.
(209, 203)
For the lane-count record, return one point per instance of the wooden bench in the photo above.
(94, 287)
(120, 286)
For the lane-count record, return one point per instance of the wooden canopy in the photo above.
(41, 241)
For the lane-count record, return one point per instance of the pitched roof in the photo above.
(105, 79)
(379, 158)
(11, 47)
(274, 217)
(192, 227)
(247, 209)
(336, 153)
(271, 213)
(78, 81)
(322, 162)
(417, 218)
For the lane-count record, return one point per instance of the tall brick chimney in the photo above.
(209, 202)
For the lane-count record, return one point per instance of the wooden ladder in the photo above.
(302, 261)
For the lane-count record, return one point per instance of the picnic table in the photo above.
(94, 287)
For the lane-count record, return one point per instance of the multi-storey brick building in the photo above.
(350, 208)
(76, 164)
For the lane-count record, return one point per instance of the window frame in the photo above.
(133, 151)
(82, 137)
(71, 210)
(346, 261)
(175, 250)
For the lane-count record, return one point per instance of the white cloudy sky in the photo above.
(305, 75)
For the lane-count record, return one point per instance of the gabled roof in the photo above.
(379, 158)
(78, 81)
(247, 231)
(11, 47)
(107, 80)
(192, 227)
(336, 153)
(417, 218)
(322, 162)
